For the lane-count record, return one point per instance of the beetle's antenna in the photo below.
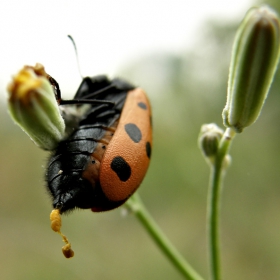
(76, 51)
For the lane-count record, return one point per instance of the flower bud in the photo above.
(253, 64)
(209, 139)
(33, 106)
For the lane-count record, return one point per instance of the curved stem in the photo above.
(135, 204)
(213, 216)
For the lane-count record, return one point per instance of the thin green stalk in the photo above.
(214, 202)
(136, 205)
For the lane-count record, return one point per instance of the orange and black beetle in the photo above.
(104, 159)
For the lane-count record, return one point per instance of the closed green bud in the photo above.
(33, 106)
(209, 139)
(253, 64)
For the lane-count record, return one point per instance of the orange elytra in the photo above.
(127, 156)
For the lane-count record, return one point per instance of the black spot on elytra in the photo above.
(133, 132)
(148, 149)
(142, 105)
(121, 167)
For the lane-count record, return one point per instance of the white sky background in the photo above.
(108, 33)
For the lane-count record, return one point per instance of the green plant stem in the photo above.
(135, 204)
(214, 202)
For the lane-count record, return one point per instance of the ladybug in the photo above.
(106, 153)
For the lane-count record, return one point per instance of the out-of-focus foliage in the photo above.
(186, 91)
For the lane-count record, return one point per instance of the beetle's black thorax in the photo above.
(65, 181)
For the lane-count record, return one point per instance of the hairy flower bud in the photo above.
(209, 139)
(253, 64)
(33, 106)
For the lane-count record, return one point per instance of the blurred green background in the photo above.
(186, 90)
